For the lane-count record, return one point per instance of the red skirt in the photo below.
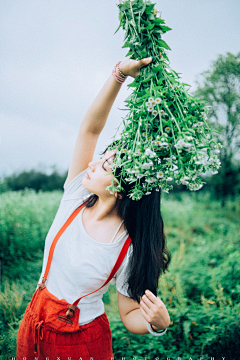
(43, 333)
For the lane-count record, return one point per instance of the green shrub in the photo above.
(25, 219)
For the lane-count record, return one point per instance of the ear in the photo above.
(118, 195)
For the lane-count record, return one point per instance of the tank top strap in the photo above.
(116, 232)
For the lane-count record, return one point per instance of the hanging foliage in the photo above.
(166, 135)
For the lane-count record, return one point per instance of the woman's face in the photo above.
(99, 175)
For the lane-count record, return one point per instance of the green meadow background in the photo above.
(201, 290)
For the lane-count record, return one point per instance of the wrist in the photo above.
(154, 327)
(117, 73)
(120, 72)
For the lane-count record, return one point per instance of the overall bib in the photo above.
(50, 329)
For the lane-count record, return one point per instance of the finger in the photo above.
(145, 315)
(154, 299)
(148, 303)
(145, 61)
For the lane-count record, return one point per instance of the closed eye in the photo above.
(106, 161)
(103, 164)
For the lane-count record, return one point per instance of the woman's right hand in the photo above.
(132, 67)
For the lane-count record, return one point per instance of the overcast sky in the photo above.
(56, 55)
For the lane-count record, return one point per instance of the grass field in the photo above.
(201, 290)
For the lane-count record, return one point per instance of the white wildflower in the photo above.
(199, 187)
(160, 174)
(139, 152)
(154, 112)
(158, 100)
(150, 108)
(174, 167)
(151, 99)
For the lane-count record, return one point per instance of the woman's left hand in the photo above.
(154, 311)
(132, 67)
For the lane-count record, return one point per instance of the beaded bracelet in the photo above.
(121, 78)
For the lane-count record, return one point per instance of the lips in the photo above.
(88, 176)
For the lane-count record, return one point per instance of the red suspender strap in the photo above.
(114, 269)
(63, 228)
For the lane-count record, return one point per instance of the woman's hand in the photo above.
(154, 311)
(132, 67)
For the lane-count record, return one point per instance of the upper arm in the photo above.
(126, 305)
(83, 153)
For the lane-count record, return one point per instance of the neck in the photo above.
(104, 210)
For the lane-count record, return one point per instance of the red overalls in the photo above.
(50, 328)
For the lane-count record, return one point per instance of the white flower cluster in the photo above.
(151, 103)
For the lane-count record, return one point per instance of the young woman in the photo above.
(88, 239)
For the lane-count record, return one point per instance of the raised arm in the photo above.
(96, 116)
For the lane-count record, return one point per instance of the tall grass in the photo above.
(201, 290)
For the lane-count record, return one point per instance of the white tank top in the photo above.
(80, 264)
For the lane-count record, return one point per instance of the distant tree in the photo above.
(33, 180)
(220, 88)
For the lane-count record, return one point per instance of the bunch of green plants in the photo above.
(166, 135)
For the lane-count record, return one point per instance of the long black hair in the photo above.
(143, 221)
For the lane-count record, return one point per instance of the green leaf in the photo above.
(159, 21)
(148, 78)
(165, 28)
(133, 84)
(163, 44)
(157, 69)
(126, 25)
(149, 27)
(157, 88)
(214, 131)
(127, 44)
(149, 8)
(129, 53)
(117, 29)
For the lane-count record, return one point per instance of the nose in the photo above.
(91, 164)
